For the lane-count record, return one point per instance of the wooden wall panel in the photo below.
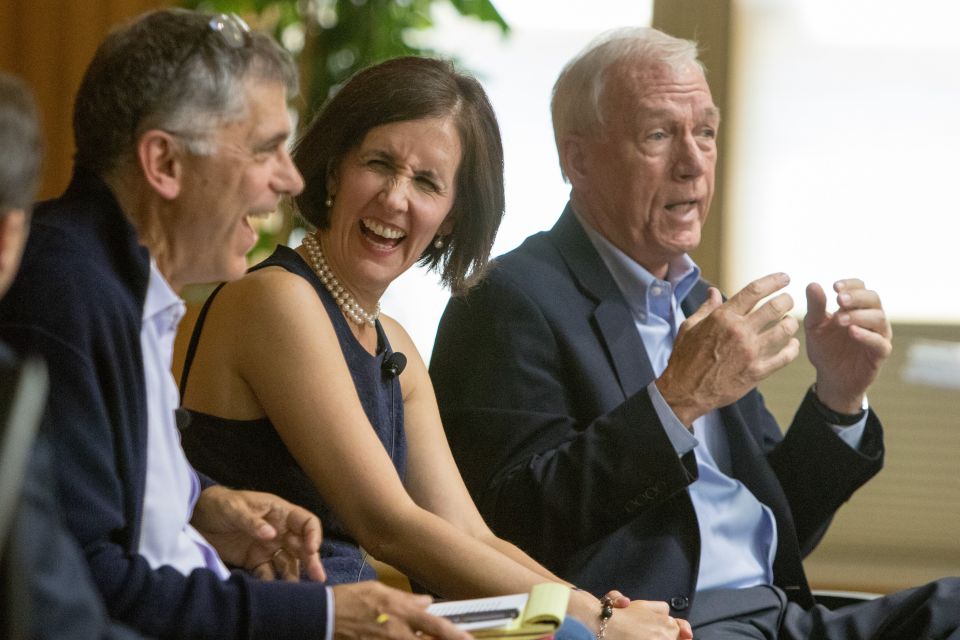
(899, 530)
(708, 22)
(48, 43)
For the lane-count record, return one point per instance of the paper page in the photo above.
(547, 605)
(509, 607)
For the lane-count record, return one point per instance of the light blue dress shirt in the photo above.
(738, 533)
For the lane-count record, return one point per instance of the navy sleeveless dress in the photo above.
(248, 454)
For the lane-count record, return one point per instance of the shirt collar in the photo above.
(633, 280)
(161, 298)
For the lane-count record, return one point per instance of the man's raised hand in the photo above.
(725, 348)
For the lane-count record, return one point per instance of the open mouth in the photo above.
(259, 215)
(683, 207)
(251, 225)
(380, 233)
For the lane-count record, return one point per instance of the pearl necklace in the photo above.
(345, 300)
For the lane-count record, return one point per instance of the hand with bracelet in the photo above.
(616, 616)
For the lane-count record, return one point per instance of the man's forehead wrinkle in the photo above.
(259, 123)
(630, 110)
(658, 89)
(638, 81)
(654, 110)
(653, 72)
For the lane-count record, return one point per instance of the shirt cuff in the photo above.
(853, 434)
(680, 437)
(329, 632)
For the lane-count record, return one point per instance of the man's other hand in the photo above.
(374, 610)
(260, 532)
(847, 347)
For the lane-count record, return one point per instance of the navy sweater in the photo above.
(78, 302)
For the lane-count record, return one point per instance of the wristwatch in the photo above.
(831, 416)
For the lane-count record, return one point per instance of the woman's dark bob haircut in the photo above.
(412, 88)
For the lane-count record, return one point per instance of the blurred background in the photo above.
(838, 149)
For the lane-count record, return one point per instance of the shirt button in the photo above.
(656, 290)
(679, 602)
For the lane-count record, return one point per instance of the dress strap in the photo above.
(195, 340)
(278, 258)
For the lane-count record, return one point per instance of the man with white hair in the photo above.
(600, 398)
(181, 129)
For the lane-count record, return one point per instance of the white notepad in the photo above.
(521, 615)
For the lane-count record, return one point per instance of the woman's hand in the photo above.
(647, 619)
(643, 619)
(260, 532)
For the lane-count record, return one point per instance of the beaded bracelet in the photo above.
(606, 612)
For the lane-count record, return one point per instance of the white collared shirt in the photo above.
(172, 487)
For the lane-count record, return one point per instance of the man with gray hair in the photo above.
(19, 170)
(609, 395)
(181, 129)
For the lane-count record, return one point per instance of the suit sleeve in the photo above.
(509, 390)
(817, 470)
(156, 602)
(61, 594)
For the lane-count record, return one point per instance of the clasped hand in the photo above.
(648, 619)
(260, 532)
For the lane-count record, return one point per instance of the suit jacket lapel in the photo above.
(612, 316)
(746, 459)
(749, 466)
(750, 463)
(617, 328)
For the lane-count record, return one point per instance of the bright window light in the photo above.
(842, 149)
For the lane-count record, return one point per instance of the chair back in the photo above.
(23, 395)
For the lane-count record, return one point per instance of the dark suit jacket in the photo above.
(78, 301)
(541, 378)
(61, 599)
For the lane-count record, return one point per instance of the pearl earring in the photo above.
(329, 201)
(438, 243)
